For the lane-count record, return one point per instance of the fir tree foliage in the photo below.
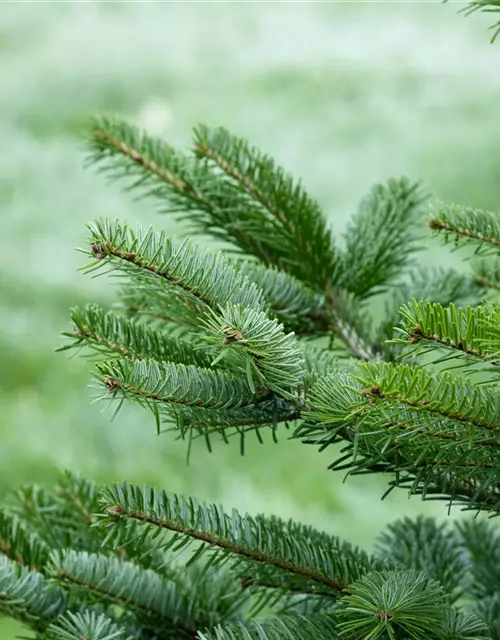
(87, 625)
(160, 565)
(217, 345)
(275, 336)
(238, 194)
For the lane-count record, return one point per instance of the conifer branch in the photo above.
(345, 320)
(318, 362)
(198, 275)
(157, 603)
(465, 224)
(439, 285)
(381, 237)
(146, 303)
(488, 610)
(264, 413)
(270, 548)
(155, 383)
(27, 597)
(424, 545)
(210, 282)
(115, 336)
(445, 395)
(294, 304)
(79, 496)
(317, 627)
(307, 249)
(472, 490)
(467, 625)
(210, 345)
(258, 346)
(215, 207)
(58, 518)
(257, 206)
(412, 606)
(261, 419)
(21, 545)
(88, 625)
(463, 330)
(111, 137)
(427, 452)
(488, 283)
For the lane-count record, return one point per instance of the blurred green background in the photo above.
(343, 94)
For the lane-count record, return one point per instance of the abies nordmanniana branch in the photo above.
(160, 565)
(237, 194)
(277, 331)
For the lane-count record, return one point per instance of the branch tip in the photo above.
(111, 383)
(98, 251)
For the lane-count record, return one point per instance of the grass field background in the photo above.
(343, 94)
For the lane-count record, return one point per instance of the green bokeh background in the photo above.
(343, 94)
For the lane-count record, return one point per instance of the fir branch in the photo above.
(116, 336)
(468, 492)
(317, 627)
(215, 591)
(197, 275)
(449, 396)
(79, 495)
(59, 517)
(110, 137)
(256, 346)
(393, 602)
(331, 400)
(34, 506)
(427, 453)
(318, 362)
(301, 239)
(194, 422)
(424, 545)
(295, 305)
(318, 266)
(153, 384)
(157, 603)
(463, 625)
(20, 544)
(323, 597)
(305, 605)
(157, 307)
(381, 237)
(88, 625)
(465, 224)
(439, 285)
(27, 597)
(40, 510)
(274, 356)
(214, 206)
(462, 330)
(254, 546)
(265, 412)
